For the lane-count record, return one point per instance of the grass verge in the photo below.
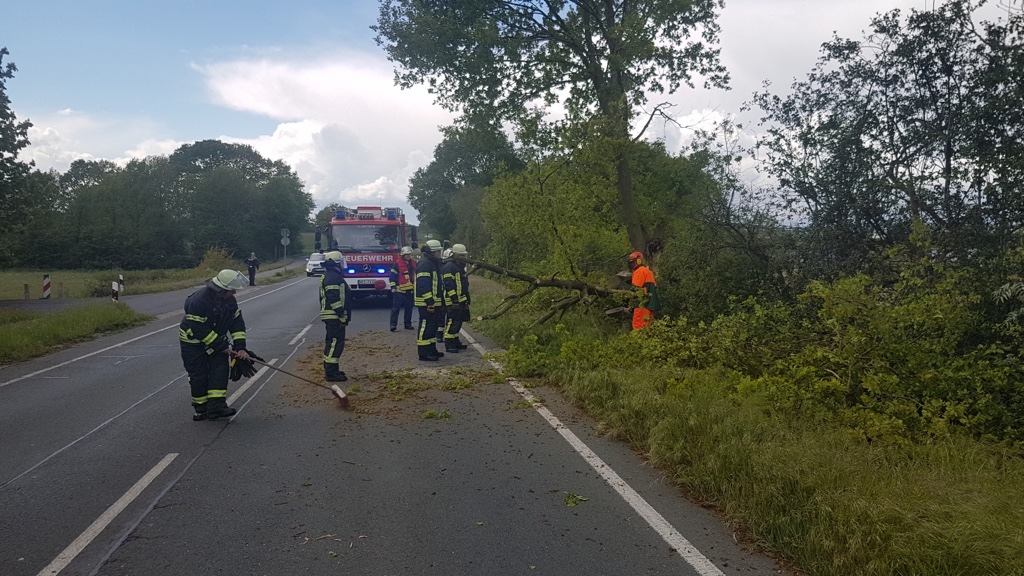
(809, 492)
(26, 335)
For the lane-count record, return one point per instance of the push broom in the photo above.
(333, 389)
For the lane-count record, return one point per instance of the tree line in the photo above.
(157, 212)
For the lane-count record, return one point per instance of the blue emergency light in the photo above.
(381, 271)
(392, 214)
(340, 215)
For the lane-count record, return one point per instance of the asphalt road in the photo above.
(437, 468)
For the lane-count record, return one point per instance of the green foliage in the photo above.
(778, 452)
(36, 335)
(447, 192)
(161, 212)
(508, 60)
(911, 123)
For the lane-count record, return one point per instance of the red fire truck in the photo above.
(370, 238)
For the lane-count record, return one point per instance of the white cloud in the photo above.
(349, 133)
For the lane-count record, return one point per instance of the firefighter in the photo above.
(403, 275)
(211, 332)
(456, 289)
(334, 313)
(429, 297)
(646, 291)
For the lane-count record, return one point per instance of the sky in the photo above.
(304, 82)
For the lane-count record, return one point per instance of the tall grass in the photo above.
(807, 490)
(27, 335)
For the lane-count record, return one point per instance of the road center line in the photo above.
(75, 548)
(654, 519)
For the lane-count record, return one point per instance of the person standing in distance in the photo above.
(646, 291)
(428, 297)
(334, 313)
(211, 332)
(456, 289)
(403, 275)
(253, 263)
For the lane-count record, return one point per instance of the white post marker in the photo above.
(46, 286)
(113, 290)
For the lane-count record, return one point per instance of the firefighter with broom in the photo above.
(212, 337)
(334, 313)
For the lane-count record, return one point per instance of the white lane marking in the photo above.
(654, 519)
(300, 335)
(241, 389)
(84, 356)
(93, 431)
(75, 548)
(137, 338)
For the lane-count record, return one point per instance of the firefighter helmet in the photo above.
(406, 251)
(446, 254)
(432, 246)
(334, 256)
(228, 279)
(459, 249)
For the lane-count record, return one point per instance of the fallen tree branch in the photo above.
(587, 293)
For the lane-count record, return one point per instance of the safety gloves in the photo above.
(243, 368)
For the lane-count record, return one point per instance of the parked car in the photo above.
(315, 264)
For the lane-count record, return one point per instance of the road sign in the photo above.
(285, 241)
(285, 232)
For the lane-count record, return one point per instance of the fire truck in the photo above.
(370, 238)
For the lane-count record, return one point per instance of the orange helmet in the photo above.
(636, 258)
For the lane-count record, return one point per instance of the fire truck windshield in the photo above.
(366, 238)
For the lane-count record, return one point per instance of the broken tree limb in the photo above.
(587, 293)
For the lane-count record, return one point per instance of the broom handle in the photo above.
(288, 373)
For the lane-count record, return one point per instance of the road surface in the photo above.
(437, 468)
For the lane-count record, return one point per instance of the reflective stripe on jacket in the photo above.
(212, 322)
(332, 295)
(456, 284)
(428, 286)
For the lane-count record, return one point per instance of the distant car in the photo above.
(315, 264)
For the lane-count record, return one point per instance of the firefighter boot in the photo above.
(218, 408)
(200, 412)
(333, 374)
(451, 346)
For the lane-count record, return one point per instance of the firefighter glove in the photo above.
(244, 368)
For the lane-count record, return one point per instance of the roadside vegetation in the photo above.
(25, 335)
(96, 283)
(744, 414)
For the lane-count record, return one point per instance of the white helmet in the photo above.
(228, 279)
(459, 249)
(336, 256)
(432, 246)
(406, 251)
(446, 254)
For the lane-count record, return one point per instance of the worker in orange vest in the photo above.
(646, 291)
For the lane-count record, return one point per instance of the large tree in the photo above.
(16, 200)
(446, 192)
(599, 58)
(920, 121)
